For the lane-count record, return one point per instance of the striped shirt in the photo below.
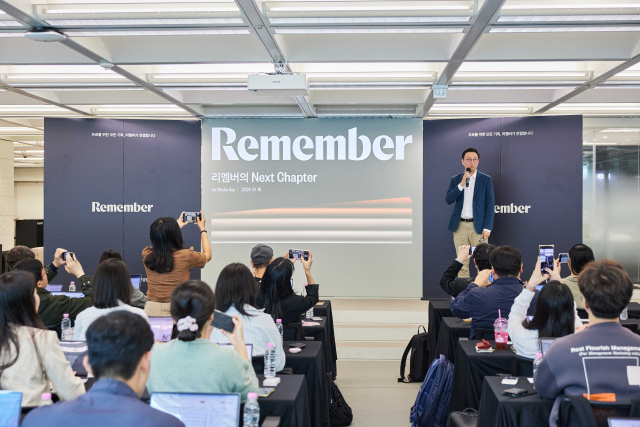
(257, 329)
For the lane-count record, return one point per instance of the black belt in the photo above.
(466, 220)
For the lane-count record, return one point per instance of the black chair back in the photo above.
(633, 327)
(293, 332)
(57, 328)
(577, 411)
(582, 313)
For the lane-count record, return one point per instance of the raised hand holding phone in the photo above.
(236, 338)
(537, 277)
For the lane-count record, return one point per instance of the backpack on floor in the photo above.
(432, 404)
(340, 414)
(418, 361)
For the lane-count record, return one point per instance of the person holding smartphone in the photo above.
(579, 256)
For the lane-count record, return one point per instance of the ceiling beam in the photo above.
(591, 84)
(485, 16)
(45, 100)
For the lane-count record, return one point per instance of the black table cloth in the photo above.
(289, 401)
(437, 310)
(310, 363)
(634, 310)
(497, 410)
(321, 333)
(471, 368)
(323, 309)
(451, 330)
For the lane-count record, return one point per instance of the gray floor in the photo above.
(374, 394)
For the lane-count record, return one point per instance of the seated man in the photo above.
(450, 282)
(120, 358)
(261, 257)
(481, 300)
(53, 307)
(18, 253)
(579, 256)
(594, 362)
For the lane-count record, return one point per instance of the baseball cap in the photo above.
(261, 254)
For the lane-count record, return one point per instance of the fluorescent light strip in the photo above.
(154, 33)
(500, 86)
(490, 74)
(12, 34)
(28, 151)
(571, 6)
(152, 9)
(570, 18)
(173, 21)
(367, 30)
(10, 24)
(97, 76)
(635, 130)
(371, 20)
(367, 8)
(563, 29)
(20, 129)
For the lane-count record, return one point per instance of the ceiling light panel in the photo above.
(372, 20)
(367, 30)
(143, 22)
(73, 33)
(584, 29)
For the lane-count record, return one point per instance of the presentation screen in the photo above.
(349, 191)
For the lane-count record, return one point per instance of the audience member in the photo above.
(579, 256)
(119, 357)
(19, 253)
(52, 307)
(276, 293)
(30, 356)
(138, 299)
(193, 364)
(261, 257)
(482, 300)
(589, 363)
(236, 296)
(450, 282)
(112, 291)
(167, 262)
(555, 312)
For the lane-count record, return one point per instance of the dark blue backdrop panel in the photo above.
(542, 169)
(81, 169)
(163, 171)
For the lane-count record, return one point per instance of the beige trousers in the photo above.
(464, 235)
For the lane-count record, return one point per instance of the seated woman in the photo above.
(236, 296)
(555, 314)
(111, 291)
(138, 299)
(168, 263)
(30, 356)
(276, 294)
(191, 363)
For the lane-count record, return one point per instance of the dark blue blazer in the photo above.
(109, 403)
(484, 202)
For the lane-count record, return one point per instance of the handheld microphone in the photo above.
(467, 183)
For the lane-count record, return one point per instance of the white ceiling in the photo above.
(364, 58)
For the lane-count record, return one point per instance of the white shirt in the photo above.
(467, 206)
(258, 329)
(526, 341)
(87, 317)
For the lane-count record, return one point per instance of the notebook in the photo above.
(200, 410)
(10, 408)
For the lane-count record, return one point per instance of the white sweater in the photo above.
(526, 341)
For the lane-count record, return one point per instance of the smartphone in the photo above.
(64, 255)
(265, 391)
(222, 321)
(491, 277)
(191, 217)
(515, 392)
(471, 249)
(564, 258)
(546, 257)
(298, 254)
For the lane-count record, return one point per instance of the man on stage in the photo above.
(472, 217)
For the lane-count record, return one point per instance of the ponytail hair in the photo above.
(195, 299)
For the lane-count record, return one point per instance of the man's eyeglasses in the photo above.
(471, 160)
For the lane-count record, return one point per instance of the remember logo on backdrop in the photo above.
(513, 208)
(98, 207)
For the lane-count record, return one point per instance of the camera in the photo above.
(191, 217)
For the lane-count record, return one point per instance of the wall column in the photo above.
(7, 224)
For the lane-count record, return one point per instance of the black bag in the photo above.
(340, 414)
(418, 364)
(466, 418)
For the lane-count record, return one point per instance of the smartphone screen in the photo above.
(471, 249)
(546, 257)
(564, 258)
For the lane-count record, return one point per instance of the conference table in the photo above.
(451, 330)
(323, 309)
(289, 401)
(472, 367)
(320, 332)
(437, 310)
(498, 410)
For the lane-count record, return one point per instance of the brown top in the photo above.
(162, 284)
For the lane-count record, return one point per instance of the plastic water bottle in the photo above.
(45, 399)
(625, 314)
(309, 313)
(66, 328)
(251, 416)
(280, 329)
(536, 363)
(72, 287)
(270, 361)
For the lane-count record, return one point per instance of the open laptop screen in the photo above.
(249, 348)
(200, 410)
(162, 328)
(545, 343)
(10, 408)
(624, 422)
(69, 294)
(54, 288)
(135, 280)
(74, 352)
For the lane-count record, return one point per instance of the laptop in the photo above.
(249, 347)
(624, 422)
(74, 352)
(162, 328)
(69, 294)
(200, 410)
(135, 280)
(10, 402)
(54, 288)
(545, 343)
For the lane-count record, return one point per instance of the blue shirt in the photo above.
(482, 304)
(108, 403)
